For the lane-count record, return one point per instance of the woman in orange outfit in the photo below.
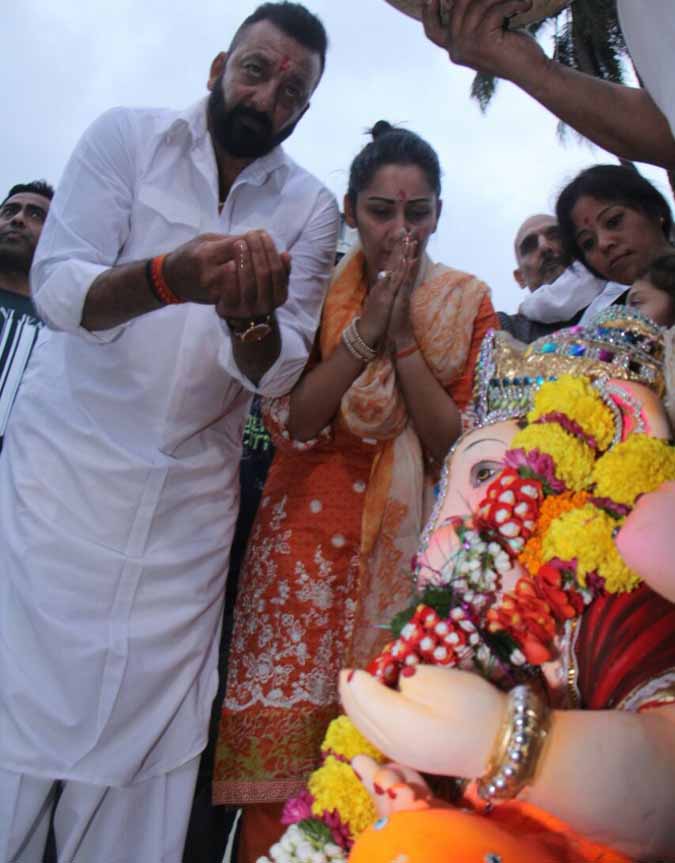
(358, 444)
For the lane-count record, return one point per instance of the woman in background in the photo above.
(615, 222)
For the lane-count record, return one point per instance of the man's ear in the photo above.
(518, 276)
(216, 69)
(350, 217)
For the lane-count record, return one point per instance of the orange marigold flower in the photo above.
(553, 507)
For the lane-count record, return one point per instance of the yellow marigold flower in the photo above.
(580, 401)
(343, 738)
(638, 465)
(551, 508)
(573, 458)
(335, 786)
(586, 535)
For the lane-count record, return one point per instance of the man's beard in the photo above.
(237, 137)
(550, 268)
(15, 256)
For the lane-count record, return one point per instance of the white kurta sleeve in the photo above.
(87, 225)
(312, 258)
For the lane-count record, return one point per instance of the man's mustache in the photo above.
(551, 261)
(262, 121)
(18, 232)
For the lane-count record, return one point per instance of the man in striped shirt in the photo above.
(22, 215)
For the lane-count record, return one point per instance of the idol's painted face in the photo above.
(477, 460)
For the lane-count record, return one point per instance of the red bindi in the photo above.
(285, 64)
(402, 195)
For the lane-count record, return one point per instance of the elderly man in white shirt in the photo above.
(182, 268)
(633, 123)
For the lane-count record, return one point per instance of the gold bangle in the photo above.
(355, 344)
(518, 746)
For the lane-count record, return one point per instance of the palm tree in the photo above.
(588, 38)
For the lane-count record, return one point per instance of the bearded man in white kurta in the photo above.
(182, 268)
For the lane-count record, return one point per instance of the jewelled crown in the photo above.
(619, 343)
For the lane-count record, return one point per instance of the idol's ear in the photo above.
(641, 410)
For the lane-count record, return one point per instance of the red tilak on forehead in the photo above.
(402, 195)
(285, 64)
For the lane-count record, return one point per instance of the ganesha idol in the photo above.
(536, 665)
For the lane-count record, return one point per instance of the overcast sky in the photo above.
(66, 61)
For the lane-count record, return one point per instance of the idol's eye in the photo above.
(485, 471)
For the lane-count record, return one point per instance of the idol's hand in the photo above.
(393, 787)
(440, 721)
(474, 35)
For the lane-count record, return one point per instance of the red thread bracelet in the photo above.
(160, 287)
(407, 352)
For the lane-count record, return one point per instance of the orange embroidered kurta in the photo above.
(299, 599)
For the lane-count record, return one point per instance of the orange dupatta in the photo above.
(444, 306)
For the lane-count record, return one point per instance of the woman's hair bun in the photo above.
(380, 128)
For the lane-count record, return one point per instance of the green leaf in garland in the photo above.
(316, 831)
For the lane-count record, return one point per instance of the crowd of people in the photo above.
(185, 267)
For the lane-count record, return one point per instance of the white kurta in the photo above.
(649, 29)
(118, 481)
(573, 290)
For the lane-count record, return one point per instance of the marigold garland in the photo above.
(335, 786)
(344, 740)
(553, 506)
(586, 536)
(637, 466)
(578, 399)
(573, 458)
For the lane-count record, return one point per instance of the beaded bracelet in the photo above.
(518, 746)
(355, 344)
(154, 273)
